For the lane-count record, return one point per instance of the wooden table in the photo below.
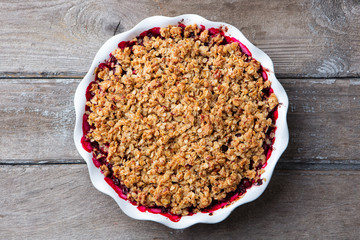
(46, 47)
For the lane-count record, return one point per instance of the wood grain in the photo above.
(37, 119)
(59, 202)
(323, 120)
(312, 38)
(46, 47)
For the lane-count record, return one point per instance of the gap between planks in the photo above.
(342, 165)
(32, 76)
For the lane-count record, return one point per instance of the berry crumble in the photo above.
(180, 119)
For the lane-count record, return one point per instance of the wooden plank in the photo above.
(59, 202)
(323, 120)
(59, 38)
(37, 119)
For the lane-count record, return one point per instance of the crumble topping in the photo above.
(181, 118)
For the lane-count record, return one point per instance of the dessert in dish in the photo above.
(180, 119)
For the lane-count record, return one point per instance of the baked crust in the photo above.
(181, 118)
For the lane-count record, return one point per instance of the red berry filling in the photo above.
(100, 154)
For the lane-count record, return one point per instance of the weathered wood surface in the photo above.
(47, 46)
(47, 202)
(312, 38)
(37, 119)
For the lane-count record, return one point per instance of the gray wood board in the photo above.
(60, 38)
(59, 202)
(37, 120)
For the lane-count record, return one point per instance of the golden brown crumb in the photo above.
(183, 118)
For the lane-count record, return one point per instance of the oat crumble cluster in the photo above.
(182, 117)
